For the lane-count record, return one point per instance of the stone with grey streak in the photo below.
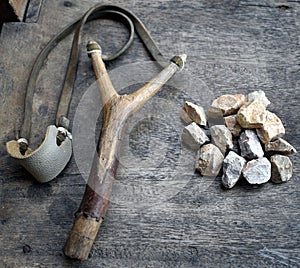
(257, 171)
(282, 168)
(250, 145)
(209, 160)
(193, 136)
(221, 137)
(232, 169)
(280, 146)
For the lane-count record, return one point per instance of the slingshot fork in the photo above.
(50, 158)
(116, 110)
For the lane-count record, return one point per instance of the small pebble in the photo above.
(232, 169)
(252, 115)
(233, 125)
(258, 95)
(193, 136)
(227, 104)
(250, 145)
(209, 160)
(282, 168)
(257, 171)
(193, 113)
(221, 137)
(271, 129)
(280, 146)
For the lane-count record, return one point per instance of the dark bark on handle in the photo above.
(95, 201)
(91, 213)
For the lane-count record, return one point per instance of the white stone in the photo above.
(232, 169)
(193, 136)
(258, 95)
(257, 171)
(221, 137)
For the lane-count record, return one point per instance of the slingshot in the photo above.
(47, 161)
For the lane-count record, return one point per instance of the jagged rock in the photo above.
(257, 171)
(282, 168)
(280, 146)
(232, 169)
(194, 136)
(271, 129)
(221, 137)
(233, 125)
(209, 160)
(252, 115)
(258, 95)
(250, 145)
(193, 113)
(227, 104)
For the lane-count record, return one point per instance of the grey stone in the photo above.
(257, 171)
(280, 146)
(252, 115)
(258, 95)
(193, 113)
(193, 136)
(209, 160)
(282, 168)
(232, 169)
(250, 145)
(271, 129)
(221, 137)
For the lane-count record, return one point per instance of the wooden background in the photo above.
(162, 214)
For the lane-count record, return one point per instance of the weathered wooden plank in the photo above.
(33, 10)
(162, 214)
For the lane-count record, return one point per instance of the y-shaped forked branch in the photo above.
(116, 109)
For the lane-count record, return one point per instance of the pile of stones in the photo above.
(243, 137)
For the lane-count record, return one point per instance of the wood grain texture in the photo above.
(116, 111)
(161, 213)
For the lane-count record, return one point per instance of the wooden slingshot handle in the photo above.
(116, 109)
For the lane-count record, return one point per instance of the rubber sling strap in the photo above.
(132, 22)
